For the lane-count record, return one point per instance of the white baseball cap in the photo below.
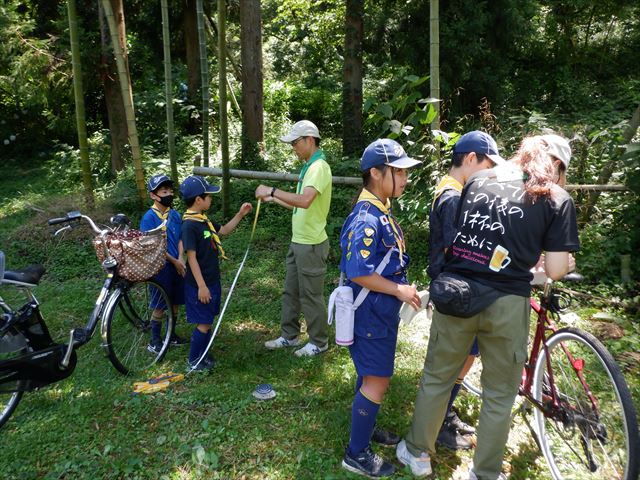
(558, 147)
(303, 128)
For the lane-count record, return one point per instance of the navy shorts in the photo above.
(475, 349)
(173, 284)
(198, 312)
(375, 335)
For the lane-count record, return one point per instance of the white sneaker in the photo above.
(310, 350)
(472, 476)
(281, 342)
(420, 466)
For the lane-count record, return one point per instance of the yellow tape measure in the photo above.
(157, 384)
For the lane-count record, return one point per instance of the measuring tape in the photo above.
(233, 285)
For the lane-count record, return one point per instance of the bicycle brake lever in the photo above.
(66, 227)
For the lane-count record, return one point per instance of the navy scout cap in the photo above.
(154, 182)
(385, 151)
(194, 185)
(479, 142)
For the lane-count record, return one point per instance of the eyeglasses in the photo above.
(293, 144)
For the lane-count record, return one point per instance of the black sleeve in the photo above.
(448, 213)
(562, 234)
(189, 236)
(217, 226)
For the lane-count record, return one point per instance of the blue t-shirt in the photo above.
(151, 220)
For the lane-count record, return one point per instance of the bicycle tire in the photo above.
(578, 440)
(126, 326)
(12, 345)
(471, 381)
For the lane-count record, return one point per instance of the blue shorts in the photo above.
(172, 283)
(198, 312)
(375, 335)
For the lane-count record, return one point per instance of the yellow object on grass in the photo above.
(157, 384)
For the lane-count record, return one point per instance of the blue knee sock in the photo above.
(363, 419)
(198, 344)
(454, 393)
(156, 331)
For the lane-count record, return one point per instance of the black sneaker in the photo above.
(206, 365)
(177, 340)
(367, 464)
(154, 347)
(462, 427)
(384, 437)
(450, 438)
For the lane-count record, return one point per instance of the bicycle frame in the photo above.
(550, 404)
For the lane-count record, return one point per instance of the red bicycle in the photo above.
(584, 419)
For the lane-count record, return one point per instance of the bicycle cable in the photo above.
(233, 285)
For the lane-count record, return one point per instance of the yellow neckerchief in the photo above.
(201, 217)
(164, 216)
(367, 196)
(447, 182)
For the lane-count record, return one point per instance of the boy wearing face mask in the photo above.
(171, 277)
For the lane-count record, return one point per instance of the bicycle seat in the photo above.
(572, 277)
(29, 275)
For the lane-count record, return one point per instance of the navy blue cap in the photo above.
(194, 185)
(479, 142)
(385, 151)
(154, 182)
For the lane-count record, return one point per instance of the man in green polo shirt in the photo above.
(307, 257)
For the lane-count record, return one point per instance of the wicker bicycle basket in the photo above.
(139, 256)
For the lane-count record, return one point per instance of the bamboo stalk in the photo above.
(222, 88)
(79, 101)
(125, 88)
(204, 80)
(167, 92)
(434, 56)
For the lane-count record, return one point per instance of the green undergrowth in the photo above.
(91, 426)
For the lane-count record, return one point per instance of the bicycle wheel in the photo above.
(585, 436)
(126, 326)
(12, 345)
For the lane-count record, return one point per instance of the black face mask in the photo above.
(166, 201)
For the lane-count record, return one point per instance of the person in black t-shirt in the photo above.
(507, 217)
(474, 151)
(202, 245)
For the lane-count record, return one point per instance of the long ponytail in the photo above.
(366, 179)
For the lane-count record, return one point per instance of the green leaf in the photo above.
(386, 110)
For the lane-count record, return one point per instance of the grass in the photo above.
(91, 426)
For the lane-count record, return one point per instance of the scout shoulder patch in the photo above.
(365, 253)
(369, 231)
(384, 220)
(207, 234)
(362, 213)
(367, 241)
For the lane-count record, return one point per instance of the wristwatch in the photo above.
(273, 192)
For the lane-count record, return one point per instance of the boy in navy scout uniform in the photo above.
(368, 234)
(474, 151)
(201, 241)
(160, 189)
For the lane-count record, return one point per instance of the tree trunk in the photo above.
(192, 50)
(113, 99)
(167, 91)
(222, 88)
(352, 141)
(252, 94)
(204, 81)
(79, 100)
(116, 28)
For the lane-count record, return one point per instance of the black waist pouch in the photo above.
(453, 294)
